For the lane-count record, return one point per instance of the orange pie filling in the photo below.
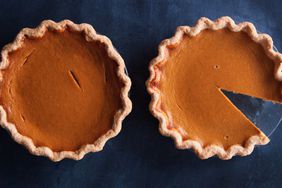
(193, 76)
(61, 91)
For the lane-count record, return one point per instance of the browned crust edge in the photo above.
(155, 76)
(90, 35)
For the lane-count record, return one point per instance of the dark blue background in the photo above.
(139, 156)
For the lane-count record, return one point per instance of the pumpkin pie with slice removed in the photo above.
(64, 91)
(190, 72)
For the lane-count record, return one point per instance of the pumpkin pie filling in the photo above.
(60, 90)
(193, 76)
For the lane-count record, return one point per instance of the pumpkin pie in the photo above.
(64, 91)
(190, 72)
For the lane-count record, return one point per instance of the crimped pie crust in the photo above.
(90, 35)
(155, 76)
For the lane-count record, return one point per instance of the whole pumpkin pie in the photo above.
(64, 91)
(189, 74)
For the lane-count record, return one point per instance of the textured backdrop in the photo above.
(139, 156)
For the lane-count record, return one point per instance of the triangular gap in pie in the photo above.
(64, 91)
(187, 76)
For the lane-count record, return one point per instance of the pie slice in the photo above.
(64, 91)
(187, 76)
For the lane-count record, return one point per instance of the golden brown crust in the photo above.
(155, 76)
(90, 35)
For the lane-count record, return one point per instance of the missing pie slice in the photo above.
(187, 76)
(64, 91)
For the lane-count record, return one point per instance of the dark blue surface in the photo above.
(139, 156)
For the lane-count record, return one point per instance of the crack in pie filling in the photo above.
(189, 73)
(64, 92)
